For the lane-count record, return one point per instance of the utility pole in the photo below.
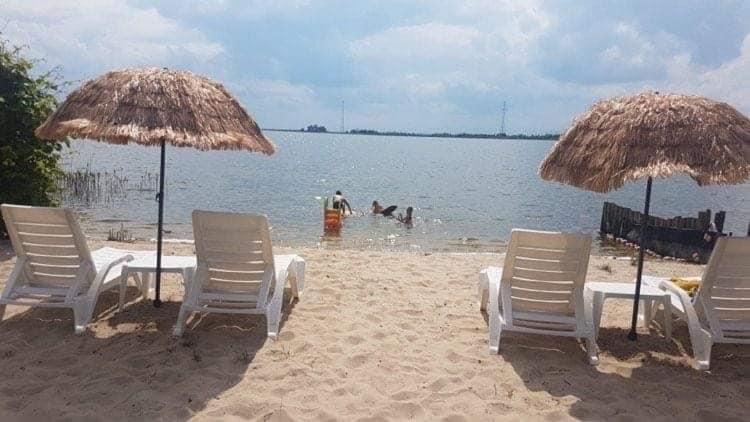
(502, 124)
(343, 127)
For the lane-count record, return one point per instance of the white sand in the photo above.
(376, 336)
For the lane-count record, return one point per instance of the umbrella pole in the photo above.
(157, 300)
(632, 335)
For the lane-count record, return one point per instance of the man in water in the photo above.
(339, 202)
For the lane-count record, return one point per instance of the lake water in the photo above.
(467, 193)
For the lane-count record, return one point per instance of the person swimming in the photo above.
(407, 219)
(386, 212)
(339, 202)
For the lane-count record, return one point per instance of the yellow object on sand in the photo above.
(688, 284)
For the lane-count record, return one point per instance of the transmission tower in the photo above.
(343, 127)
(502, 122)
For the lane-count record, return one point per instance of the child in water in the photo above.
(407, 220)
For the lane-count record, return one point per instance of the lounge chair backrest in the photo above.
(234, 253)
(546, 271)
(52, 244)
(725, 288)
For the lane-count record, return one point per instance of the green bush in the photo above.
(28, 166)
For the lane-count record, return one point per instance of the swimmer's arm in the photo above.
(346, 204)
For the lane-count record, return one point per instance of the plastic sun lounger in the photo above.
(540, 289)
(720, 310)
(54, 267)
(236, 270)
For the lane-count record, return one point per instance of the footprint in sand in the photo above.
(454, 418)
(405, 395)
(405, 411)
(354, 340)
(357, 360)
(287, 335)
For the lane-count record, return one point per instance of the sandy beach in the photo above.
(375, 336)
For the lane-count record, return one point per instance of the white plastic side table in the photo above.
(649, 297)
(146, 266)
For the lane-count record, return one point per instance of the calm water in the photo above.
(467, 193)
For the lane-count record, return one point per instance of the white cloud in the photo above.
(91, 36)
(727, 82)
(243, 9)
(418, 65)
(279, 103)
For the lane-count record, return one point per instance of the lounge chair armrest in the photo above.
(14, 276)
(102, 275)
(700, 337)
(279, 285)
(687, 301)
(484, 284)
(494, 276)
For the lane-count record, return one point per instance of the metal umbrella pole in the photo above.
(632, 335)
(160, 195)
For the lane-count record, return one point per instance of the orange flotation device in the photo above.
(333, 219)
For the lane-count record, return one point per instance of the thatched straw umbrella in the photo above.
(155, 107)
(651, 135)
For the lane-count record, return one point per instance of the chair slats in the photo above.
(235, 275)
(542, 253)
(543, 275)
(731, 282)
(70, 270)
(232, 286)
(546, 326)
(237, 266)
(42, 259)
(47, 239)
(522, 262)
(230, 255)
(541, 306)
(558, 286)
(52, 279)
(43, 229)
(51, 250)
(235, 246)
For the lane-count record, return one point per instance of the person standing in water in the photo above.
(339, 202)
(407, 219)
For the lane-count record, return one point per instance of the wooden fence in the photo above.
(689, 238)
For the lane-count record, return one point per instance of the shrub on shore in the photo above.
(28, 166)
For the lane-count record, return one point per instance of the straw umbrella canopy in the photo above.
(651, 135)
(155, 106)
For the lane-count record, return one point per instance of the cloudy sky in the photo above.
(413, 65)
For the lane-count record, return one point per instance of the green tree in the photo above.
(28, 166)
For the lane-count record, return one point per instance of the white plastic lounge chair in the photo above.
(236, 270)
(540, 288)
(54, 267)
(720, 310)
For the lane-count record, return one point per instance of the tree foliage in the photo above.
(28, 166)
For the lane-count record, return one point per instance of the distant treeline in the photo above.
(456, 135)
(322, 129)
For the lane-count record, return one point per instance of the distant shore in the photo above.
(542, 137)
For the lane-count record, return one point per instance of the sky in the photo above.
(409, 65)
